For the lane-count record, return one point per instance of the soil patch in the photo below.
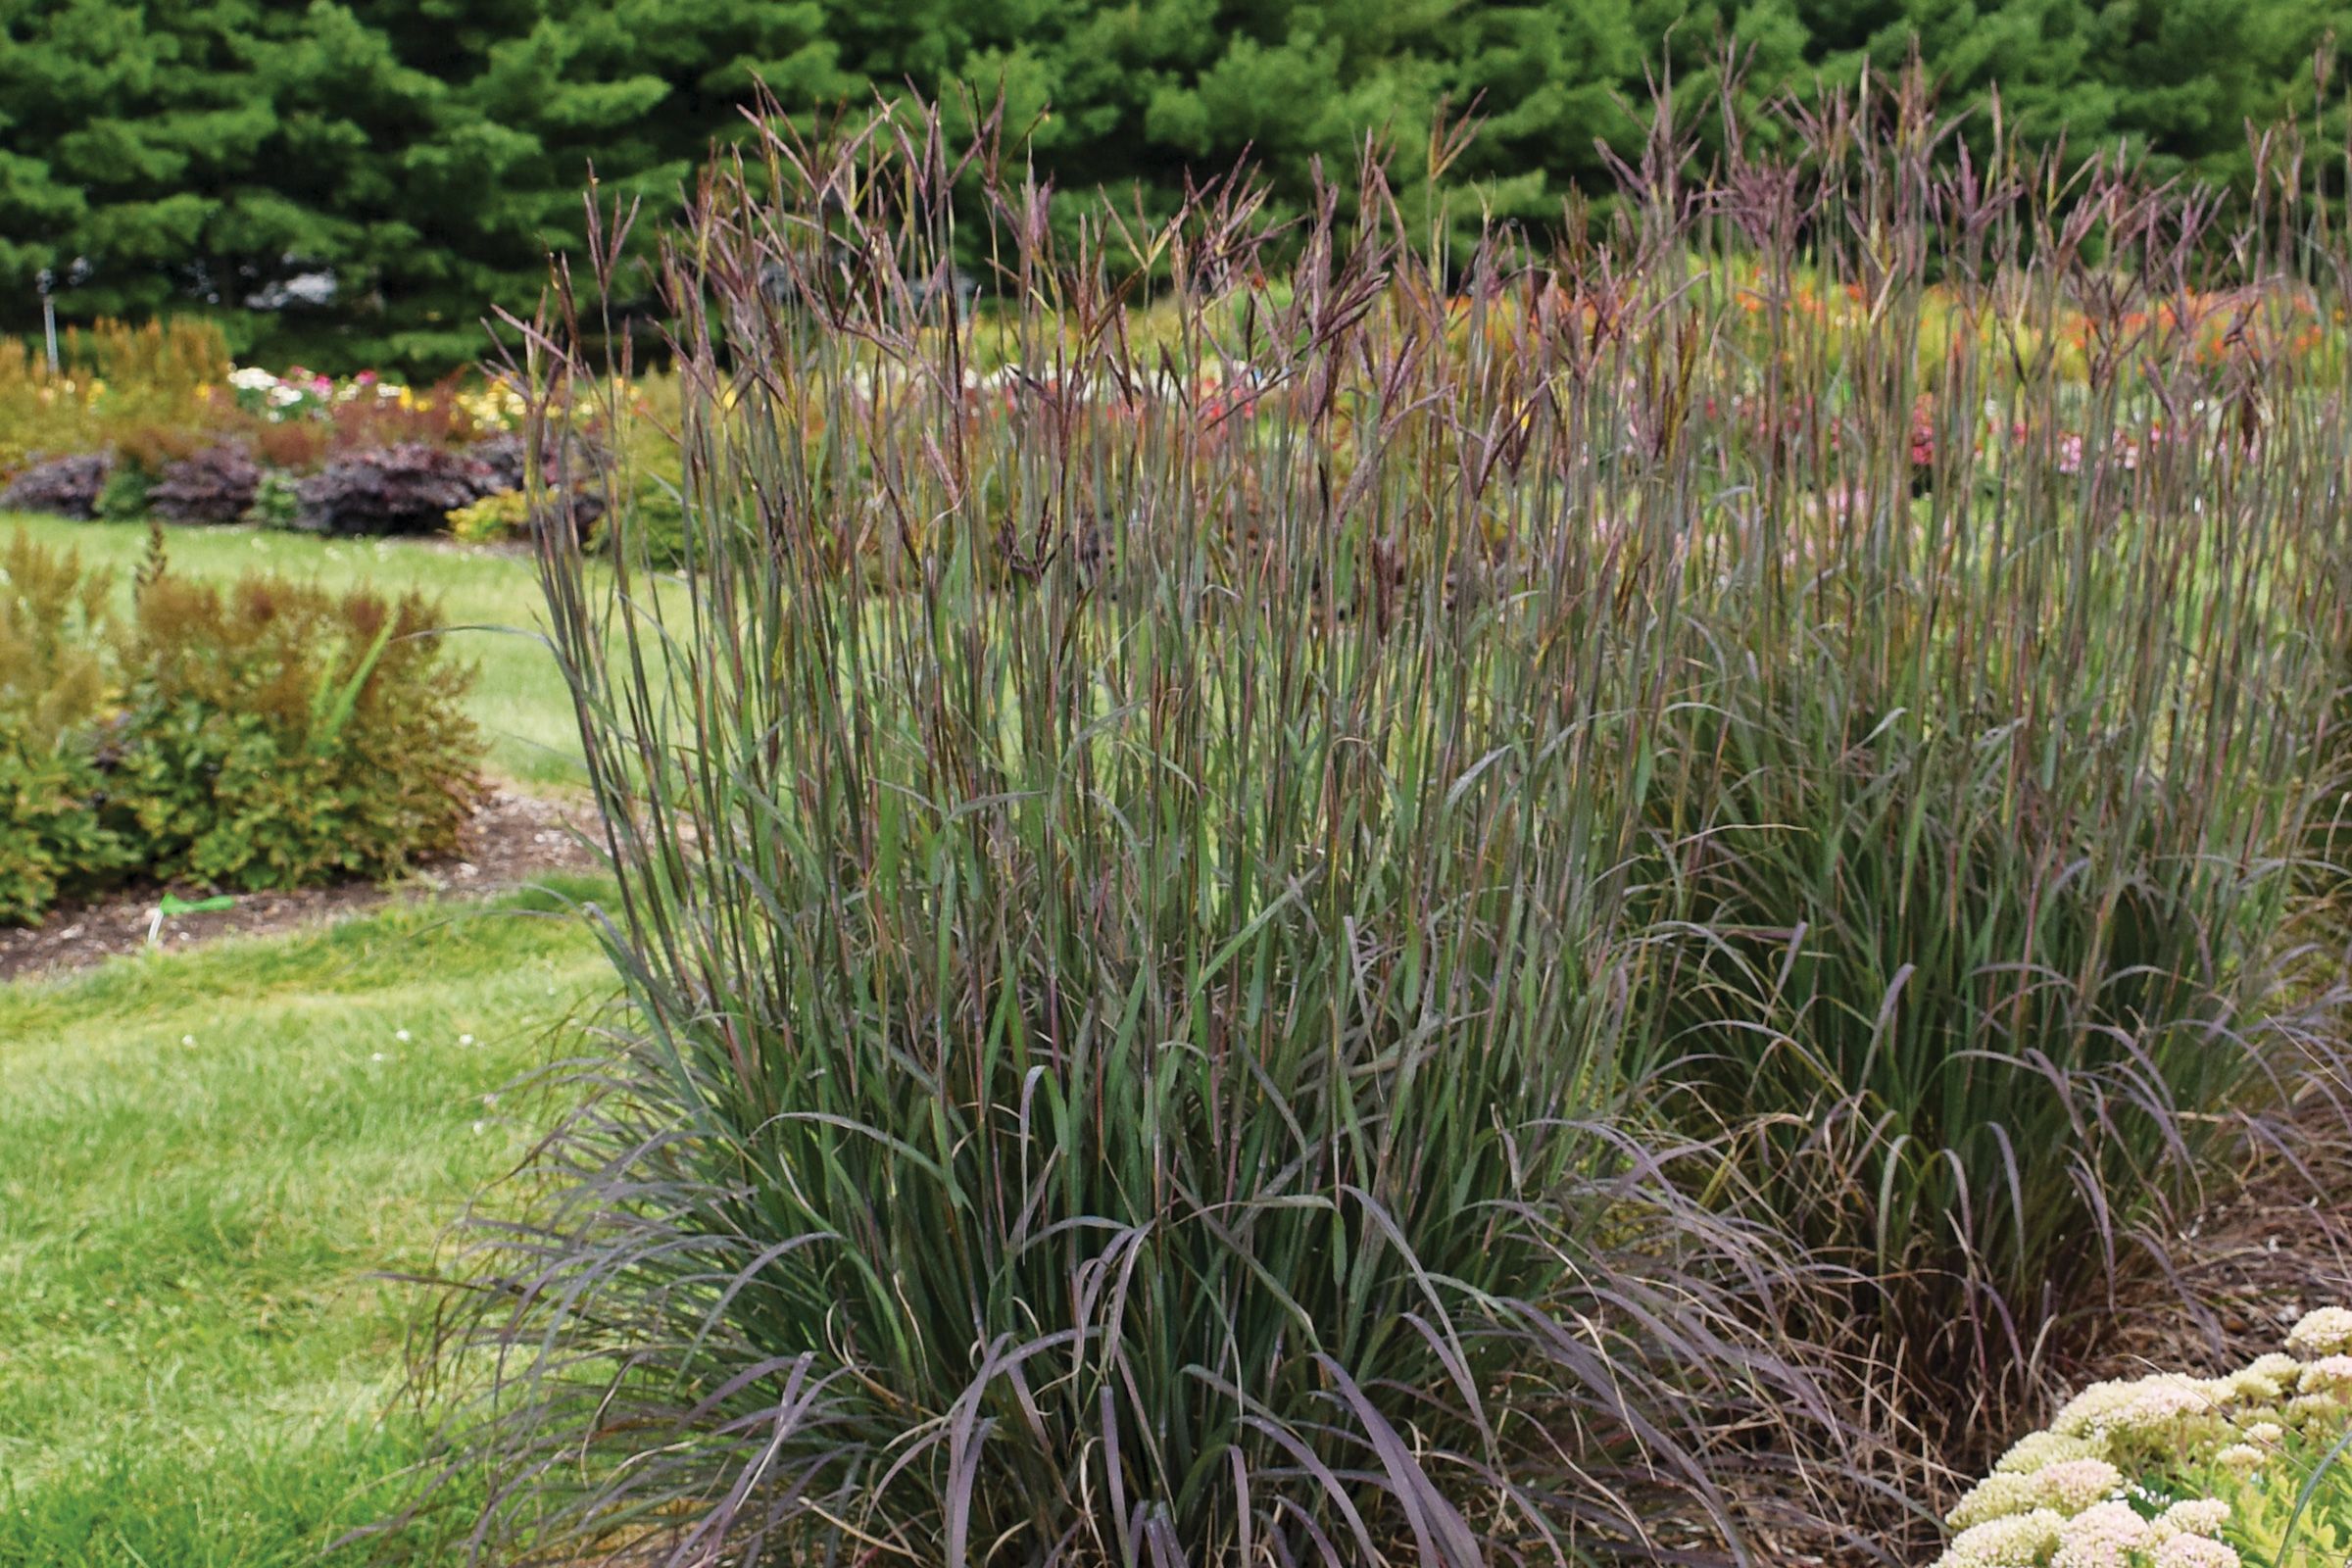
(512, 841)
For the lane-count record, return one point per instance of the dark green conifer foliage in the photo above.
(232, 155)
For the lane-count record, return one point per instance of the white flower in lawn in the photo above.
(2270, 1434)
(2239, 1456)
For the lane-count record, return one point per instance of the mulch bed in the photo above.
(512, 841)
(2278, 1249)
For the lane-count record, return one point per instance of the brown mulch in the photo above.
(2282, 1248)
(512, 841)
(2277, 1247)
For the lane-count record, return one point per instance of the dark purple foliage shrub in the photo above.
(508, 458)
(68, 487)
(407, 488)
(215, 485)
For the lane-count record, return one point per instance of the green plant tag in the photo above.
(173, 905)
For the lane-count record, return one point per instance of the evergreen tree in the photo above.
(365, 184)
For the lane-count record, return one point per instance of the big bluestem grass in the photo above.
(1127, 1052)
(1979, 800)
(1370, 933)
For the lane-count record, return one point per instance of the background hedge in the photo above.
(232, 155)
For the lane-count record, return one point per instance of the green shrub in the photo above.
(493, 519)
(124, 498)
(54, 839)
(657, 525)
(281, 735)
(56, 625)
(277, 501)
(266, 735)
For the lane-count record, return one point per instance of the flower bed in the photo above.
(158, 422)
(2174, 1471)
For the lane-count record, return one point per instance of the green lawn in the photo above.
(204, 1158)
(518, 699)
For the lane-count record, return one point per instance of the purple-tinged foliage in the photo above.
(65, 487)
(215, 485)
(402, 489)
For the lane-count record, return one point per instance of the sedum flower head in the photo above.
(2324, 1333)
(2193, 1516)
(2019, 1540)
(2307, 1411)
(2074, 1485)
(2241, 1457)
(2037, 1450)
(2102, 1535)
(2330, 1374)
(2265, 1433)
(2142, 1408)
(2194, 1552)
(2267, 1379)
(2083, 1415)
(1998, 1496)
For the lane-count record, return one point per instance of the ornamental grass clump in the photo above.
(1125, 1053)
(1266, 947)
(1979, 790)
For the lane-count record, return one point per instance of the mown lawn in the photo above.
(518, 699)
(206, 1159)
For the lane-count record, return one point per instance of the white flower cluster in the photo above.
(302, 394)
(2059, 1497)
(2325, 1333)
(2066, 1485)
